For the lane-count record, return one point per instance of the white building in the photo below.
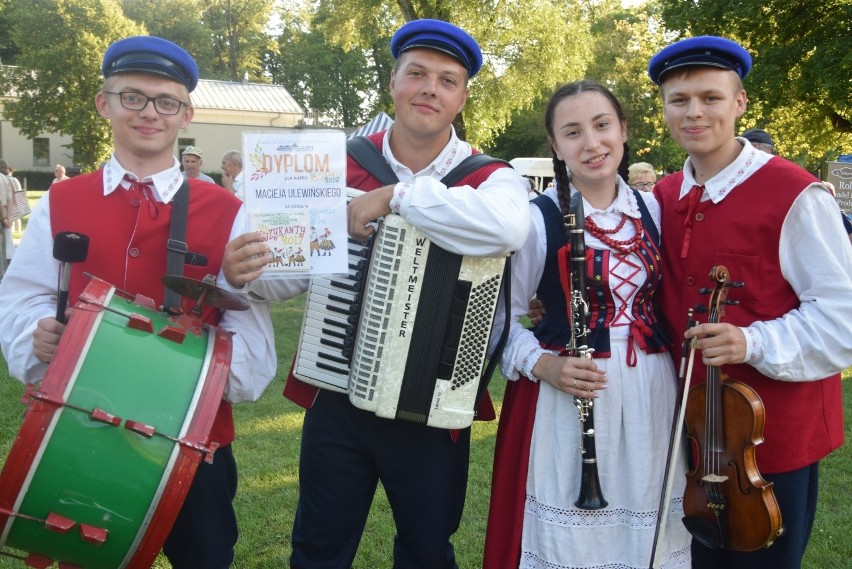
(223, 111)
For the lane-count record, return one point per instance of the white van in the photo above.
(539, 169)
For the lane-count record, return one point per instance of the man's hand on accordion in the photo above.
(367, 208)
(245, 258)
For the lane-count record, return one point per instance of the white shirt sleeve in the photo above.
(488, 221)
(28, 294)
(253, 361)
(814, 340)
(522, 349)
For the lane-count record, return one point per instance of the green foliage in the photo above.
(237, 29)
(335, 82)
(333, 57)
(528, 47)
(625, 41)
(35, 179)
(799, 86)
(227, 38)
(526, 135)
(57, 79)
(8, 50)
(179, 22)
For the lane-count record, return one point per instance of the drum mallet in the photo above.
(68, 247)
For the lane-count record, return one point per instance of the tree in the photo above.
(625, 41)
(799, 86)
(57, 80)
(239, 38)
(178, 21)
(527, 46)
(335, 83)
(8, 50)
(227, 38)
(525, 135)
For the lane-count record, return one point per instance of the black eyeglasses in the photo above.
(137, 101)
(644, 185)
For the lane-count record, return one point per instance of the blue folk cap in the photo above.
(151, 54)
(441, 36)
(710, 51)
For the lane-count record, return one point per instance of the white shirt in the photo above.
(237, 184)
(490, 221)
(203, 176)
(814, 340)
(28, 293)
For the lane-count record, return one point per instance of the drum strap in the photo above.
(176, 245)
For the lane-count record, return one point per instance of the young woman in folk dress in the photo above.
(533, 521)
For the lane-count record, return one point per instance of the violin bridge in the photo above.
(714, 478)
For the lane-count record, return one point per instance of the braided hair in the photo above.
(560, 170)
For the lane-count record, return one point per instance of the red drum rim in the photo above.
(37, 423)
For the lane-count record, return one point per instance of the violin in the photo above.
(727, 504)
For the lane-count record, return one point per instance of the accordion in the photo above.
(406, 331)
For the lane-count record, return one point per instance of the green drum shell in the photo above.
(96, 473)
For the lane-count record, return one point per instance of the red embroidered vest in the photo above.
(804, 420)
(131, 255)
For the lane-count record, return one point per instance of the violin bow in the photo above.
(687, 359)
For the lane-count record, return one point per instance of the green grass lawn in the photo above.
(267, 450)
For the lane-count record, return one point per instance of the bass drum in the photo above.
(112, 436)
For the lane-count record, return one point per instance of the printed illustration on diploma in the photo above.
(295, 194)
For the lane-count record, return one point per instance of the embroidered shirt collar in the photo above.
(438, 168)
(165, 184)
(625, 202)
(749, 161)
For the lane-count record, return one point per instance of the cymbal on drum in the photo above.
(207, 293)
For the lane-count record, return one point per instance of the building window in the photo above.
(183, 143)
(41, 152)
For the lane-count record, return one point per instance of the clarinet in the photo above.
(591, 497)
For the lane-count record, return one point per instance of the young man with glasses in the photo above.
(125, 209)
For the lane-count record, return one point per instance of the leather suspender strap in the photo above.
(468, 166)
(365, 153)
(176, 246)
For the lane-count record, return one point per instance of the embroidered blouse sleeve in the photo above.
(523, 350)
